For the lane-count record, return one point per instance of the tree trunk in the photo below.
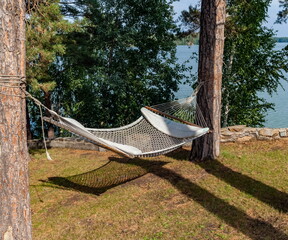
(47, 103)
(226, 107)
(210, 74)
(15, 217)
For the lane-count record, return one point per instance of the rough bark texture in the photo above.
(15, 217)
(210, 73)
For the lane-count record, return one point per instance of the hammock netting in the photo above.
(161, 128)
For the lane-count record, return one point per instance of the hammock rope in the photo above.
(154, 133)
(161, 129)
(18, 82)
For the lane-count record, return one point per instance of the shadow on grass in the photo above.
(251, 227)
(112, 174)
(265, 193)
(121, 170)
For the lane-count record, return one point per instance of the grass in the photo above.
(99, 195)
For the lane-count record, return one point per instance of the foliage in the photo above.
(283, 14)
(122, 59)
(45, 33)
(188, 40)
(190, 20)
(251, 65)
(46, 29)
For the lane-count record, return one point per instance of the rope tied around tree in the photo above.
(152, 134)
(14, 82)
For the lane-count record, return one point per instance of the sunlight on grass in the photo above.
(99, 195)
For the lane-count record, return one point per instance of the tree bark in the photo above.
(15, 217)
(210, 74)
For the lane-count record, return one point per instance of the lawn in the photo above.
(99, 195)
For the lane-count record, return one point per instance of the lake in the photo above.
(277, 118)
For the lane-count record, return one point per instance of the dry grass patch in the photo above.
(99, 195)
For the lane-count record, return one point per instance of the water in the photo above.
(277, 118)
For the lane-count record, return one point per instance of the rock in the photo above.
(239, 133)
(226, 132)
(223, 140)
(245, 138)
(269, 132)
(250, 130)
(237, 128)
(282, 132)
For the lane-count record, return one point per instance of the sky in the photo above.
(281, 29)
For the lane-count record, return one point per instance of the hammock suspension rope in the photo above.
(161, 128)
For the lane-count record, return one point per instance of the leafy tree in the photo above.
(251, 65)
(190, 20)
(122, 59)
(46, 29)
(283, 14)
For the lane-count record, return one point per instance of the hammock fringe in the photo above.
(161, 129)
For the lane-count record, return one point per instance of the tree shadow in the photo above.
(99, 180)
(253, 228)
(121, 170)
(263, 192)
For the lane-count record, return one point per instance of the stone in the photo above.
(269, 132)
(282, 132)
(226, 137)
(237, 128)
(245, 138)
(102, 149)
(250, 130)
(226, 140)
(226, 132)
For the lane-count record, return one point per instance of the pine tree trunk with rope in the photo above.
(210, 74)
(15, 217)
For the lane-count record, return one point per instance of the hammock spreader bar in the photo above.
(153, 134)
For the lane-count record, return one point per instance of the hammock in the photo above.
(161, 129)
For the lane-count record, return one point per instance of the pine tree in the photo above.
(46, 30)
(211, 48)
(15, 217)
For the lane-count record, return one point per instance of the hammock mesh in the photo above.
(143, 138)
(141, 135)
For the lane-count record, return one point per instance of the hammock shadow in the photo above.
(263, 192)
(112, 174)
(251, 227)
(180, 154)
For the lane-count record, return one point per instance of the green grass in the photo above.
(96, 195)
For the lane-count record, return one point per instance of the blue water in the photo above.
(277, 118)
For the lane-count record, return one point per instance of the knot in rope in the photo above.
(17, 81)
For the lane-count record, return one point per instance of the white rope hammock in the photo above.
(161, 128)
